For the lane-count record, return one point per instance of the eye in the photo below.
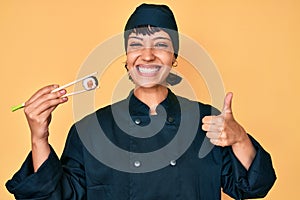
(161, 45)
(135, 44)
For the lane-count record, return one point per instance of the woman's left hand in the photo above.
(224, 130)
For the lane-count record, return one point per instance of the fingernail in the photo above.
(65, 98)
(62, 91)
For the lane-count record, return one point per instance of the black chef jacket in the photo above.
(79, 174)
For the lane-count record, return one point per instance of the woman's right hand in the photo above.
(38, 111)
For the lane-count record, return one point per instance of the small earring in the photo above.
(175, 63)
(128, 73)
(125, 65)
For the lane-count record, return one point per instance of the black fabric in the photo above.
(154, 15)
(151, 14)
(78, 175)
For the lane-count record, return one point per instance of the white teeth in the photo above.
(148, 69)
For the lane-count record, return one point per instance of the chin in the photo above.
(150, 84)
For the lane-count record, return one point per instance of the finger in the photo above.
(41, 107)
(49, 105)
(219, 142)
(213, 134)
(213, 120)
(227, 103)
(207, 120)
(47, 113)
(41, 92)
(44, 98)
(212, 127)
(216, 141)
(39, 120)
(41, 116)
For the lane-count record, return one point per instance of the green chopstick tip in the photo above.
(15, 108)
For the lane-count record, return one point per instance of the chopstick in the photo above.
(22, 105)
(73, 82)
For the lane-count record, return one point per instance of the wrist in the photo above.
(40, 152)
(243, 138)
(39, 142)
(244, 151)
(39, 139)
(242, 142)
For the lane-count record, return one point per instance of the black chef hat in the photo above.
(157, 16)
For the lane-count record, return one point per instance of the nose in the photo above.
(148, 54)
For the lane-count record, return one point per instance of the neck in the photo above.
(151, 96)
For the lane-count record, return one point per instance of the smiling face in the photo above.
(149, 58)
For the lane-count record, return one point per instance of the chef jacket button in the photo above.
(170, 119)
(137, 163)
(137, 121)
(173, 162)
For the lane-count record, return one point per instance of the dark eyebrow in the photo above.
(160, 37)
(156, 38)
(135, 37)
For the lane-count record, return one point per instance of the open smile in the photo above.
(148, 70)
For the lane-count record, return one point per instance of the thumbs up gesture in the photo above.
(223, 130)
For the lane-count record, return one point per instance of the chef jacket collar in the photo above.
(138, 108)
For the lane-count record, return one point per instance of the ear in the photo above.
(174, 58)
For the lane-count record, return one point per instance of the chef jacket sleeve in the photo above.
(255, 182)
(55, 179)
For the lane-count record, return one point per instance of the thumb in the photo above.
(227, 103)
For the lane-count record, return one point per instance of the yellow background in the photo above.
(255, 45)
